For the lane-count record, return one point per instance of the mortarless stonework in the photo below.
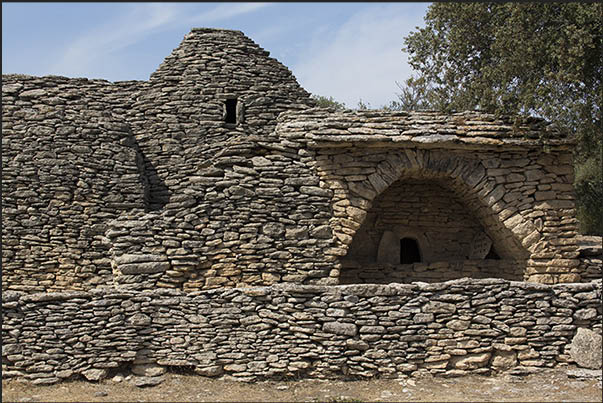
(286, 330)
(124, 204)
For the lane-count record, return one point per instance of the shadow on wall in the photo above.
(156, 192)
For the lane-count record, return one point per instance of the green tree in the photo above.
(416, 95)
(539, 59)
(329, 102)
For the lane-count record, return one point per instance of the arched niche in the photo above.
(454, 236)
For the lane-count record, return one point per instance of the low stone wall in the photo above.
(379, 273)
(452, 328)
(591, 257)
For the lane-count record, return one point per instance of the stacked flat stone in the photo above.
(522, 197)
(458, 327)
(466, 130)
(178, 118)
(69, 166)
(591, 257)
(144, 184)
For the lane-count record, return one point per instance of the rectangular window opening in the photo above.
(231, 111)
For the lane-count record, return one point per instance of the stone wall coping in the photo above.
(289, 288)
(327, 128)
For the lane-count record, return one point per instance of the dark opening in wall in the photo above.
(409, 251)
(231, 111)
(492, 254)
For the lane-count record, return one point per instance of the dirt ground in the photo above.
(549, 386)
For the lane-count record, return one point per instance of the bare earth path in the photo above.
(549, 386)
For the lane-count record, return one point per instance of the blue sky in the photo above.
(349, 51)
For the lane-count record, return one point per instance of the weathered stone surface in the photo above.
(150, 370)
(144, 267)
(458, 324)
(582, 373)
(348, 329)
(471, 361)
(438, 307)
(502, 359)
(585, 349)
(95, 374)
(330, 331)
(140, 319)
(142, 381)
(161, 209)
(214, 370)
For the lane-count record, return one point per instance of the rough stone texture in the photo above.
(144, 184)
(585, 349)
(68, 166)
(353, 272)
(364, 330)
(591, 257)
(522, 199)
(147, 224)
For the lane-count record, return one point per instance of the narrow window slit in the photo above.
(231, 111)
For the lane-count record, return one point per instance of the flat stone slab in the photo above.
(142, 381)
(583, 373)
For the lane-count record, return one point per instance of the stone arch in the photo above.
(515, 236)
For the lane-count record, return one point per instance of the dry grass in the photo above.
(552, 386)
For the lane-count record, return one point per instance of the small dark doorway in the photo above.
(492, 254)
(231, 111)
(409, 251)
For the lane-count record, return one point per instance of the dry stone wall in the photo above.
(418, 209)
(217, 173)
(261, 218)
(591, 257)
(178, 117)
(353, 272)
(171, 208)
(522, 197)
(68, 166)
(452, 328)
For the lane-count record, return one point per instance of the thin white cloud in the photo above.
(225, 11)
(362, 60)
(133, 26)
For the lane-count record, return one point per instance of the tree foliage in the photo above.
(540, 59)
(328, 102)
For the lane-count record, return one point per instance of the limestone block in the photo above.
(273, 229)
(148, 369)
(347, 329)
(389, 248)
(142, 381)
(585, 349)
(423, 318)
(144, 268)
(95, 374)
(503, 359)
(357, 345)
(471, 361)
(458, 324)
(585, 313)
(214, 370)
(140, 319)
(439, 307)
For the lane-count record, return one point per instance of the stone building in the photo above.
(213, 219)
(219, 171)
